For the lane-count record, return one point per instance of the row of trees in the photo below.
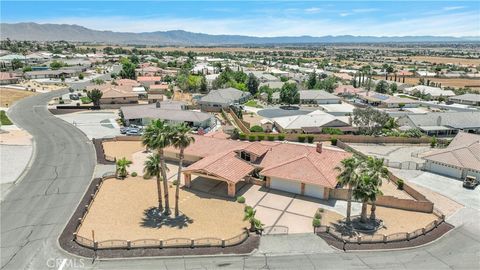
(363, 178)
(237, 79)
(321, 81)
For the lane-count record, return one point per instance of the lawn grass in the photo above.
(4, 119)
(253, 103)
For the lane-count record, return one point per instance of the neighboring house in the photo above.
(113, 95)
(347, 90)
(149, 80)
(466, 99)
(8, 78)
(309, 123)
(148, 71)
(342, 109)
(317, 97)
(386, 101)
(51, 74)
(443, 124)
(424, 73)
(460, 159)
(434, 92)
(173, 112)
(222, 98)
(275, 163)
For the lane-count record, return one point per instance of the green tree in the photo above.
(56, 64)
(255, 224)
(382, 87)
(252, 84)
(393, 88)
(121, 167)
(95, 95)
(152, 168)
(349, 177)
(16, 64)
(128, 69)
(157, 136)
(375, 169)
(369, 120)
(312, 80)
(203, 85)
(181, 139)
(289, 94)
(80, 76)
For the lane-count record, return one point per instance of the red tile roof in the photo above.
(149, 78)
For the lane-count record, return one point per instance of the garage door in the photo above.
(284, 185)
(444, 170)
(314, 191)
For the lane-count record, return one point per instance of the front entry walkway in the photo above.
(212, 186)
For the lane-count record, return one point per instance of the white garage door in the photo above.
(443, 170)
(314, 191)
(284, 185)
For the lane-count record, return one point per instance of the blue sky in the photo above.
(259, 18)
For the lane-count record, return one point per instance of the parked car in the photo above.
(470, 182)
(133, 132)
(123, 130)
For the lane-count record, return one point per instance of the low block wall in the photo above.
(405, 204)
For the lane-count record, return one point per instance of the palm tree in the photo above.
(349, 177)
(181, 139)
(377, 171)
(152, 168)
(122, 165)
(255, 224)
(157, 136)
(365, 190)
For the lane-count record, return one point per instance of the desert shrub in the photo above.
(256, 128)
(333, 141)
(318, 215)
(316, 222)
(242, 136)
(134, 174)
(281, 137)
(310, 138)
(301, 138)
(400, 184)
(4, 120)
(241, 199)
(252, 138)
(261, 137)
(320, 210)
(271, 137)
(175, 182)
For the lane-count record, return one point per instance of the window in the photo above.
(245, 156)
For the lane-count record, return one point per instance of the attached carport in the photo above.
(226, 167)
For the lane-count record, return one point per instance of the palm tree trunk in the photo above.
(177, 188)
(372, 211)
(159, 190)
(363, 217)
(163, 169)
(349, 204)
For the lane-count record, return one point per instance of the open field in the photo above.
(454, 82)
(9, 96)
(445, 60)
(119, 212)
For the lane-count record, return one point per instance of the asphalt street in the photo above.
(35, 211)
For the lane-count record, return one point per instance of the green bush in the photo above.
(256, 128)
(318, 215)
(252, 138)
(174, 182)
(332, 131)
(316, 222)
(242, 136)
(61, 102)
(301, 138)
(85, 100)
(310, 138)
(271, 138)
(261, 137)
(400, 184)
(321, 210)
(241, 199)
(4, 120)
(333, 141)
(281, 137)
(247, 207)
(134, 174)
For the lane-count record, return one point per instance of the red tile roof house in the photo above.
(294, 168)
(149, 80)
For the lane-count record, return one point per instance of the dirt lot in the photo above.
(454, 82)
(120, 149)
(252, 118)
(394, 220)
(118, 212)
(445, 60)
(9, 96)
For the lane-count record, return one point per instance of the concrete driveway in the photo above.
(283, 212)
(95, 124)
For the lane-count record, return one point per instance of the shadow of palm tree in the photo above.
(153, 219)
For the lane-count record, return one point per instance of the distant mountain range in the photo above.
(55, 32)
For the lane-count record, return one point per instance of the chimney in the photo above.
(319, 147)
(157, 104)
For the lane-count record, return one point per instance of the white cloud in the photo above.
(345, 14)
(364, 10)
(313, 10)
(453, 8)
(459, 24)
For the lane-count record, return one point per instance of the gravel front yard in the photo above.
(120, 149)
(118, 212)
